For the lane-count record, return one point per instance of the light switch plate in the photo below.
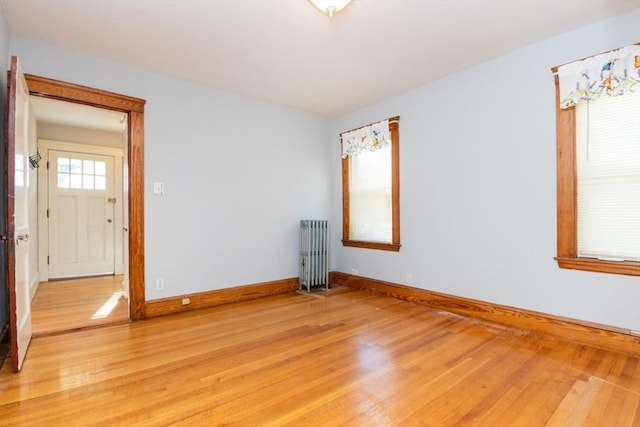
(158, 188)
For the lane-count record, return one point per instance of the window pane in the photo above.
(609, 219)
(101, 168)
(608, 135)
(87, 167)
(63, 164)
(76, 181)
(76, 166)
(371, 171)
(63, 180)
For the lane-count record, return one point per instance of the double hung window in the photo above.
(370, 183)
(598, 152)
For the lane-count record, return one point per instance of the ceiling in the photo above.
(48, 110)
(288, 53)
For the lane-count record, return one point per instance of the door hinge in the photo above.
(47, 213)
(47, 259)
(47, 164)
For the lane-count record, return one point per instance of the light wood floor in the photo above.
(64, 305)
(354, 358)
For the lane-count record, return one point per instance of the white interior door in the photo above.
(18, 215)
(81, 214)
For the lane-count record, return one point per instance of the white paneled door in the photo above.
(17, 220)
(81, 214)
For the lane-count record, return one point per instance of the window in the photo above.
(81, 174)
(370, 186)
(598, 163)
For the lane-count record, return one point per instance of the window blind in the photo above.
(370, 201)
(608, 177)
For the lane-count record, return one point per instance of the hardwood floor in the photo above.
(65, 305)
(354, 358)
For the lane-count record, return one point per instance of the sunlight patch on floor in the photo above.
(108, 306)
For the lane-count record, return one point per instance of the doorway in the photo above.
(133, 179)
(81, 221)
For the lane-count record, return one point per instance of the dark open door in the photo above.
(17, 220)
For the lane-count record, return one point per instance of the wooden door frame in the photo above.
(134, 108)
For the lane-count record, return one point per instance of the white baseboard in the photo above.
(33, 286)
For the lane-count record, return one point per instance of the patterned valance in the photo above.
(609, 74)
(367, 138)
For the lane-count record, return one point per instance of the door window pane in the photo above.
(87, 167)
(101, 168)
(76, 181)
(76, 166)
(63, 164)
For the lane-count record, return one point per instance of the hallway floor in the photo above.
(65, 305)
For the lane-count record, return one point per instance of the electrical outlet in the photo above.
(354, 271)
(409, 278)
(159, 284)
(186, 301)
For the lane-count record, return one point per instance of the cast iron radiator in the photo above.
(314, 254)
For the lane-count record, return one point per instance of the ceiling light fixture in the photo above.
(330, 7)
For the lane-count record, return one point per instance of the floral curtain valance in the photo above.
(609, 74)
(367, 138)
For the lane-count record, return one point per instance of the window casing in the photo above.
(371, 201)
(568, 255)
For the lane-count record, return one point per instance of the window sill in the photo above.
(395, 247)
(629, 268)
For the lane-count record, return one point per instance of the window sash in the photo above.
(370, 196)
(608, 178)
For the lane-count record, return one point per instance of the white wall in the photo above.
(239, 173)
(477, 186)
(58, 132)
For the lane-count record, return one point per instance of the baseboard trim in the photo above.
(160, 307)
(593, 334)
(33, 286)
